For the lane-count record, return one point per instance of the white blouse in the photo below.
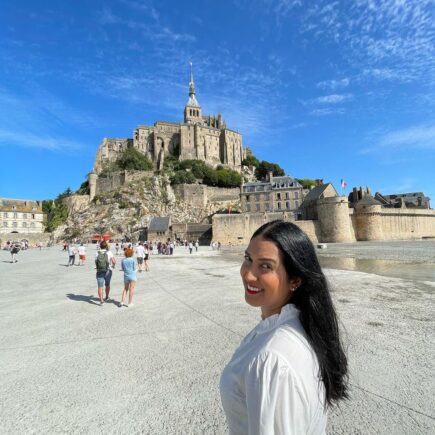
(271, 385)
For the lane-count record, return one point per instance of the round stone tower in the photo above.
(368, 219)
(333, 215)
(92, 178)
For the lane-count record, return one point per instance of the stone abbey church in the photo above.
(199, 137)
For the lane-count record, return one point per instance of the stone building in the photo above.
(21, 216)
(409, 200)
(276, 194)
(198, 137)
(308, 207)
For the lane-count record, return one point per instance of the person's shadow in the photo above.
(82, 298)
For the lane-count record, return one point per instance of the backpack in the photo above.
(102, 262)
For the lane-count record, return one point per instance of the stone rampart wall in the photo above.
(118, 179)
(397, 224)
(33, 238)
(400, 224)
(237, 229)
(199, 195)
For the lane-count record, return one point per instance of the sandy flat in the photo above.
(71, 366)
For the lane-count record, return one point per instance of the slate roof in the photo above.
(159, 224)
(316, 192)
(368, 200)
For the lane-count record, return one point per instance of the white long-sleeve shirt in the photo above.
(271, 385)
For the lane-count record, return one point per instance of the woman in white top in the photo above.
(291, 366)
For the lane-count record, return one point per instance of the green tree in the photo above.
(307, 183)
(83, 189)
(132, 159)
(263, 169)
(182, 177)
(250, 160)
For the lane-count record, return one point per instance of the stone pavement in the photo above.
(71, 366)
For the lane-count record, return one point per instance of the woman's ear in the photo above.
(295, 282)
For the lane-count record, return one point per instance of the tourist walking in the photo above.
(15, 248)
(196, 246)
(146, 258)
(71, 254)
(190, 247)
(291, 367)
(140, 254)
(105, 262)
(82, 254)
(128, 265)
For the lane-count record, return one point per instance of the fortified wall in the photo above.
(336, 223)
(117, 179)
(199, 195)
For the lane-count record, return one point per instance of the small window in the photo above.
(33, 216)
(14, 224)
(24, 215)
(32, 224)
(267, 206)
(247, 197)
(5, 224)
(24, 224)
(5, 215)
(296, 195)
(279, 206)
(257, 207)
(286, 195)
(15, 215)
(278, 196)
(248, 207)
(296, 204)
(287, 205)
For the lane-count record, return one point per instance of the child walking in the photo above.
(129, 267)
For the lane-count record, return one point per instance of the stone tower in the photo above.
(368, 219)
(333, 214)
(92, 178)
(192, 111)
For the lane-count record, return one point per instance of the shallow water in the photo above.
(412, 271)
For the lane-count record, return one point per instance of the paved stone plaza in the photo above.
(71, 366)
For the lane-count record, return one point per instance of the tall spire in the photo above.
(191, 83)
(193, 102)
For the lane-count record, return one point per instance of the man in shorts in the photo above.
(140, 254)
(82, 254)
(104, 262)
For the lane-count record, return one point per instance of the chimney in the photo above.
(270, 176)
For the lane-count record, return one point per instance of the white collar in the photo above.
(287, 313)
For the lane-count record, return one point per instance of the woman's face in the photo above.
(265, 279)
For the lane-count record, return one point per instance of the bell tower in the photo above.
(192, 111)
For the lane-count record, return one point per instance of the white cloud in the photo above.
(333, 99)
(327, 111)
(334, 84)
(420, 137)
(31, 140)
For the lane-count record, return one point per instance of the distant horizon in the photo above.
(335, 90)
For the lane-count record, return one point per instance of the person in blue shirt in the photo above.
(129, 267)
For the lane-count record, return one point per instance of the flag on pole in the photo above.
(343, 184)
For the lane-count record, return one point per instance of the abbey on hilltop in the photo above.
(199, 137)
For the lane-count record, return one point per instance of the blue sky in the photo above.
(330, 90)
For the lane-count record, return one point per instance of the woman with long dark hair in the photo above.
(291, 367)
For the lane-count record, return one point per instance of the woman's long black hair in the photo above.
(313, 299)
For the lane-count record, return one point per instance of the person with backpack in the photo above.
(14, 251)
(104, 262)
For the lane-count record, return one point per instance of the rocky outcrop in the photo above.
(127, 210)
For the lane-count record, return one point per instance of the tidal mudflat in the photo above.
(71, 366)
